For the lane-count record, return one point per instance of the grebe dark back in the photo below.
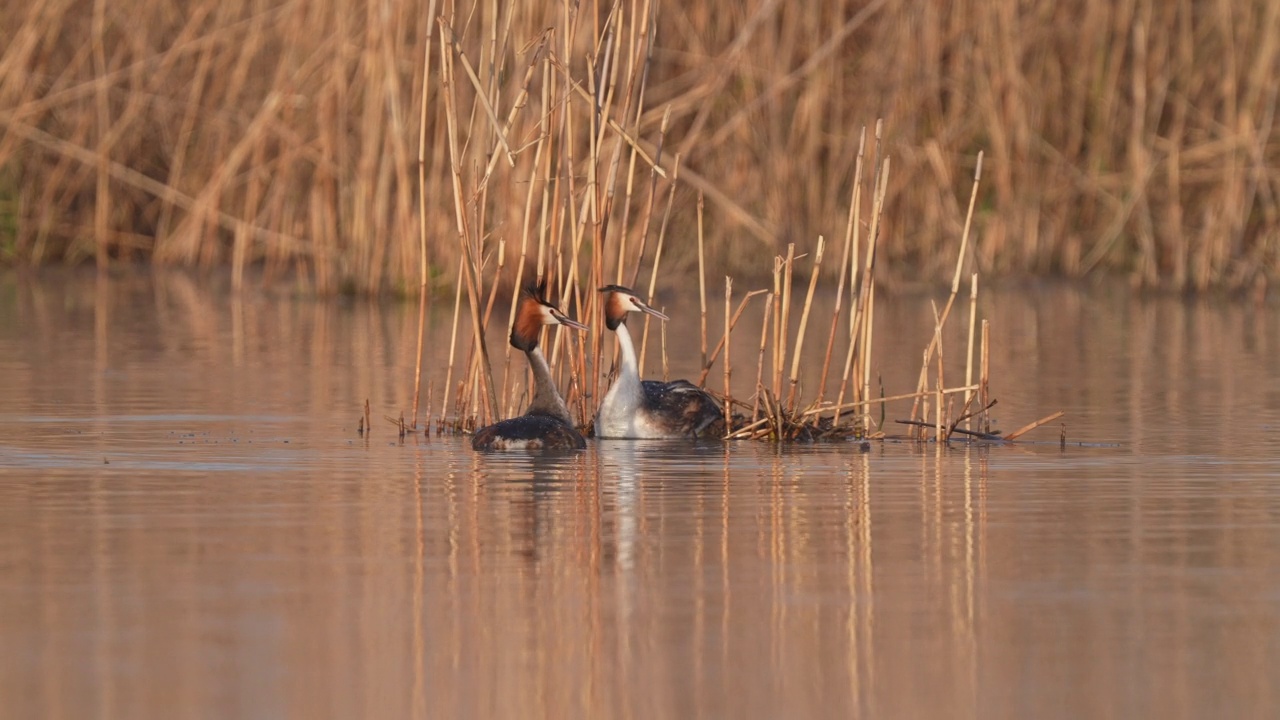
(547, 424)
(647, 409)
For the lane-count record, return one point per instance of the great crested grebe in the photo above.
(546, 425)
(647, 409)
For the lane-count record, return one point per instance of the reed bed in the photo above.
(584, 242)
(304, 140)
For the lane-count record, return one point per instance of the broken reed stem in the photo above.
(764, 341)
(417, 367)
(1033, 425)
(788, 269)
(968, 355)
(728, 327)
(776, 367)
(702, 287)
(868, 329)
(666, 367)
(941, 381)
(984, 387)
(426, 421)
(938, 416)
(804, 323)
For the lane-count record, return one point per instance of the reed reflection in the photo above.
(665, 578)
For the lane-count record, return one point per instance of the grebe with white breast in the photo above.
(635, 408)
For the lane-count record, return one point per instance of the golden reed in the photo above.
(305, 140)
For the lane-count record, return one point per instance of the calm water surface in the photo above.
(190, 526)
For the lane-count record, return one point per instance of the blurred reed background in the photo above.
(285, 136)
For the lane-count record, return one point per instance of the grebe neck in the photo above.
(630, 367)
(546, 399)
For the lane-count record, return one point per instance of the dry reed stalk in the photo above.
(868, 336)
(845, 254)
(936, 343)
(653, 193)
(470, 262)
(453, 340)
(102, 203)
(417, 366)
(657, 259)
(598, 200)
(858, 355)
(446, 32)
(493, 288)
(804, 323)
(538, 155)
(633, 95)
(868, 326)
(941, 379)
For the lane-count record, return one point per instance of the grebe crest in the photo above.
(533, 313)
(621, 300)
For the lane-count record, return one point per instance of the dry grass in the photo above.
(1133, 137)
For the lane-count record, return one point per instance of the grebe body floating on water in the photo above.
(635, 408)
(546, 425)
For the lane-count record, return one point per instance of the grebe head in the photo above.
(534, 312)
(618, 301)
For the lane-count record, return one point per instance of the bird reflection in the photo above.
(537, 487)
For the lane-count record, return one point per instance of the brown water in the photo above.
(190, 526)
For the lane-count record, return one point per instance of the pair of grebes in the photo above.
(631, 409)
